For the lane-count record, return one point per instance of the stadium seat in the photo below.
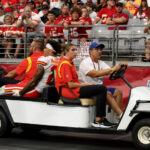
(123, 42)
(84, 102)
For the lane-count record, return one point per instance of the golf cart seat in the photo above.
(76, 101)
(83, 101)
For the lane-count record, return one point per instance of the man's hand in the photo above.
(23, 17)
(123, 64)
(16, 93)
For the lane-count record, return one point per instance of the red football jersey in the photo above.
(119, 16)
(59, 19)
(144, 14)
(51, 31)
(105, 12)
(6, 31)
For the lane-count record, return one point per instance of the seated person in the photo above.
(7, 41)
(93, 70)
(25, 67)
(118, 18)
(44, 74)
(66, 75)
(28, 67)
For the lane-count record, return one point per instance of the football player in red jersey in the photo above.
(105, 12)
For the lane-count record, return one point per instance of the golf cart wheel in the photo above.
(141, 134)
(5, 127)
(30, 129)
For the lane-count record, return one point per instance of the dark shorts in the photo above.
(112, 90)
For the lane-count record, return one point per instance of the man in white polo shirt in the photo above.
(93, 70)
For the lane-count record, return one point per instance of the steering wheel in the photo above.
(117, 74)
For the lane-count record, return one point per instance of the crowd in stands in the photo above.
(37, 15)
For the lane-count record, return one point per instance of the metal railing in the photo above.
(120, 44)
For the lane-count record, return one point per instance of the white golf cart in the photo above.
(47, 113)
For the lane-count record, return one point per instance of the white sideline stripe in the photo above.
(13, 88)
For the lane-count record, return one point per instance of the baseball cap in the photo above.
(80, 3)
(44, 6)
(36, 2)
(95, 45)
(119, 4)
(30, 2)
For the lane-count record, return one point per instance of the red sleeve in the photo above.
(127, 17)
(66, 73)
(136, 12)
(21, 68)
(110, 16)
(90, 21)
(100, 13)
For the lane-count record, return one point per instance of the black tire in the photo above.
(5, 126)
(141, 134)
(30, 128)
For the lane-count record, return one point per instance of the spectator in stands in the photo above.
(22, 5)
(100, 4)
(51, 32)
(17, 34)
(80, 4)
(73, 3)
(142, 11)
(93, 70)
(28, 67)
(32, 5)
(76, 32)
(45, 9)
(92, 14)
(105, 12)
(1, 15)
(118, 18)
(87, 21)
(46, 5)
(62, 18)
(91, 2)
(7, 41)
(45, 66)
(9, 5)
(56, 4)
(32, 21)
(37, 5)
(66, 75)
(132, 5)
(147, 49)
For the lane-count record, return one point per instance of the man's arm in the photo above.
(119, 20)
(109, 21)
(12, 74)
(30, 23)
(19, 23)
(99, 73)
(97, 19)
(35, 80)
(76, 85)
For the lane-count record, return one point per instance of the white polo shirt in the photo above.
(88, 65)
